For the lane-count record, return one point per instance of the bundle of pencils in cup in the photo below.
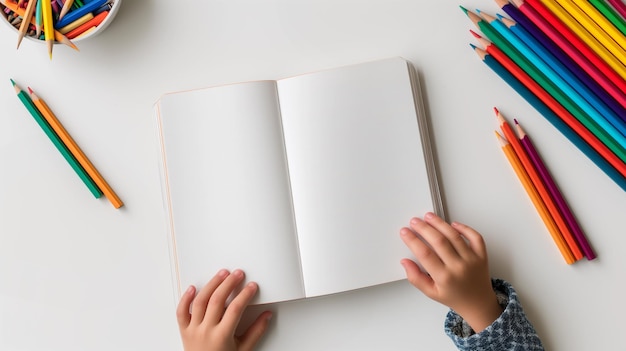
(61, 139)
(567, 58)
(55, 20)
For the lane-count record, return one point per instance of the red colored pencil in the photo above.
(619, 6)
(586, 58)
(554, 192)
(554, 105)
(94, 22)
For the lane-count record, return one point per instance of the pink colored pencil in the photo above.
(554, 192)
(619, 6)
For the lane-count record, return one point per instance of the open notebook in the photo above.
(302, 182)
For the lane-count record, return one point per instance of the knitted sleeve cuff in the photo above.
(511, 331)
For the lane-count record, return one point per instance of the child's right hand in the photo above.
(212, 322)
(455, 258)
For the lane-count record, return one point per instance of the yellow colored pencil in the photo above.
(75, 150)
(536, 199)
(589, 23)
(48, 25)
(603, 22)
(66, 7)
(586, 37)
(70, 27)
(28, 15)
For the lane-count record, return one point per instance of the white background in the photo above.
(76, 274)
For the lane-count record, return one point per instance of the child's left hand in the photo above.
(211, 325)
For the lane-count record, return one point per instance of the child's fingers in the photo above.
(476, 241)
(254, 333)
(424, 254)
(439, 242)
(235, 309)
(417, 278)
(182, 311)
(217, 302)
(454, 237)
(198, 308)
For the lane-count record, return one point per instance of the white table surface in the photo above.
(76, 274)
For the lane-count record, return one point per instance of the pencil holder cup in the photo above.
(85, 19)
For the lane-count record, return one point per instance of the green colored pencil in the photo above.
(545, 83)
(30, 106)
(610, 14)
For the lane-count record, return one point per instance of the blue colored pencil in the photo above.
(79, 12)
(618, 113)
(549, 115)
(618, 133)
(548, 44)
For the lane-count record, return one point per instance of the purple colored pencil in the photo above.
(555, 193)
(565, 59)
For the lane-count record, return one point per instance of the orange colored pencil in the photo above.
(75, 150)
(536, 199)
(535, 178)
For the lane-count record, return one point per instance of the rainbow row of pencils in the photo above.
(543, 192)
(567, 58)
(55, 20)
(61, 139)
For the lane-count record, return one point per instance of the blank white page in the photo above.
(357, 172)
(229, 196)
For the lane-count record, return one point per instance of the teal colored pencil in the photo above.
(38, 20)
(615, 18)
(551, 117)
(580, 94)
(30, 106)
(546, 84)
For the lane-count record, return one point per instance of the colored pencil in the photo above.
(582, 34)
(41, 121)
(611, 14)
(48, 27)
(588, 102)
(65, 137)
(94, 22)
(30, 10)
(66, 7)
(536, 200)
(555, 106)
(550, 87)
(79, 22)
(603, 24)
(566, 124)
(576, 49)
(57, 35)
(554, 192)
(38, 20)
(619, 6)
(535, 179)
(596, 81)
(592, 24)
(80, 12)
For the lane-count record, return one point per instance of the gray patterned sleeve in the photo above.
(512, 331)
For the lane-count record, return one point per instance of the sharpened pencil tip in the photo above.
(476, 35)
(464, 9)
(515, 120)
(473, 46)
(495, 109)
(30, 91)
(12, 82)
